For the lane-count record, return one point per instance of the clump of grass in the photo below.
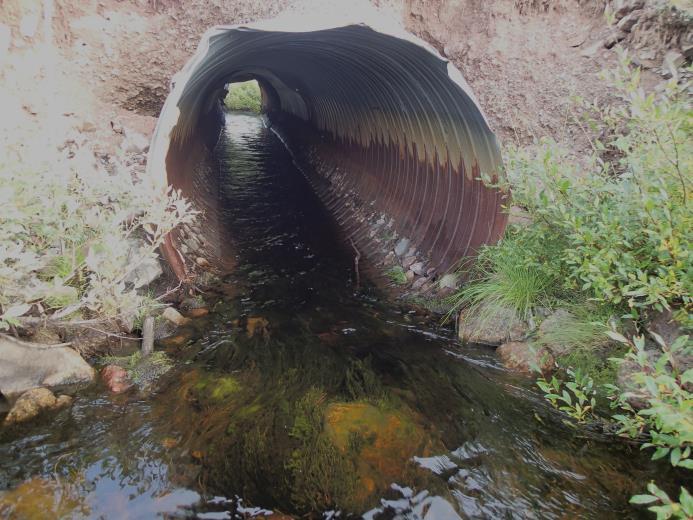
(576, 328)
(504, 279)
(397, 275)
(244, 96)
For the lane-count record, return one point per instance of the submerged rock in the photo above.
(525, 357)
(257, 326)
(26, 365)
(116, 378)
(33, 402)
(490, 328)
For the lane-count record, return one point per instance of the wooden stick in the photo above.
(148, 336)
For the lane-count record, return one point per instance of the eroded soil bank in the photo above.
(301, 395)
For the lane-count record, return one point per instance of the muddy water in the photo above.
(296, 394)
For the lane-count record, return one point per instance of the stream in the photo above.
(298, 395)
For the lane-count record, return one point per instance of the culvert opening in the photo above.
(387, 132)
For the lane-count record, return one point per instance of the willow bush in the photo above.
(67, 240)
(244, 96)
(610, 230)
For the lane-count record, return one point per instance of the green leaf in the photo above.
(617, 337)
(17, 310)
(643, 499)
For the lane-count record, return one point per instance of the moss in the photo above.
(218, 388)
(322, 477)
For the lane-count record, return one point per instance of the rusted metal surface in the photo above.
(388, 132)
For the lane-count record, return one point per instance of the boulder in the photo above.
(490, 328)
(552, 322)
(32, 402)
(524, 357)
(26, 365)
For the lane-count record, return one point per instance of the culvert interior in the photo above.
(387, 132)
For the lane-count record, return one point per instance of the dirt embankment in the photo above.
(97, 62)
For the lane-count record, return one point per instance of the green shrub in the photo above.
(627, 222)
(245, 96)
(66, 236)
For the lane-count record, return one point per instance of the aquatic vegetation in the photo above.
(218, 388)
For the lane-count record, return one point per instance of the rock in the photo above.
(688, 51)
(26, 365)
(408, 262)
(524, 357)
(402, 247)
(613, 38)
(628, 22)
(663, 324)
(257, 325)
(626, 383)
(175, 317)
(63, 401)
(500, 327)
(552, 322)
(418, 283)
(202, 262)
(116, 378)
(30, 404)
(448, 281)
(621, 8)
(191, 303)
(418, 268)
(410, 275)
(198, 312)
(671, 63)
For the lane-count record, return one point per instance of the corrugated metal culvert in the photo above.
(388, 132)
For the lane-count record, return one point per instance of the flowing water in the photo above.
(298, 394)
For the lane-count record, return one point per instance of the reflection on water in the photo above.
(299, 396)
